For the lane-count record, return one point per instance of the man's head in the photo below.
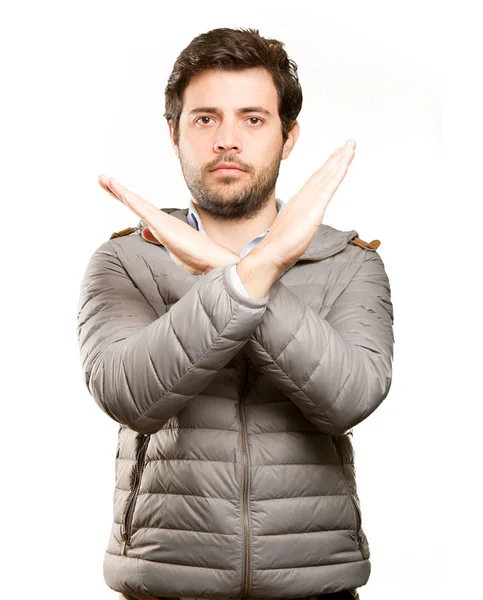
(219, 73)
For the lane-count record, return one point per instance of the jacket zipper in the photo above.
(247, 564)
(355, 506)
(129, 511)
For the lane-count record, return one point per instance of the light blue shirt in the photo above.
(194, 219)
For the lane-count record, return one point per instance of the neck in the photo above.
(234, 235)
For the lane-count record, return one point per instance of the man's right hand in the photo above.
(190, 249)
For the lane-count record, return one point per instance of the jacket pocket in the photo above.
(355, 504)
(126, 525)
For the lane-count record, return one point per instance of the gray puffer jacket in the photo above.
(234, 468)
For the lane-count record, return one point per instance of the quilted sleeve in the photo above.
(336, 369)
(142, 369)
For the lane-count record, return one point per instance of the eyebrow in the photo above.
(217, 111)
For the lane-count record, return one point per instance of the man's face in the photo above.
(250, 140)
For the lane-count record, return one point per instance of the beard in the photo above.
(232, 198)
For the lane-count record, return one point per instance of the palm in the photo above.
(300, 219)
(190, 249)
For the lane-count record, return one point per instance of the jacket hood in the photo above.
(326, 242)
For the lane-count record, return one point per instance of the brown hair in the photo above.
(234, 50)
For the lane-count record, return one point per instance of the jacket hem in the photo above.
(147, 578)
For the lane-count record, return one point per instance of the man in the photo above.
(237, 343)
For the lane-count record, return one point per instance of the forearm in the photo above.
(337, 369)
(142, 367)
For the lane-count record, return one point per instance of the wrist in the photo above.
(257, 274)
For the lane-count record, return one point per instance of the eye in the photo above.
(249, 119)
(202, 118)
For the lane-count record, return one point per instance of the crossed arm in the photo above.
(336, 369)
(142, 369)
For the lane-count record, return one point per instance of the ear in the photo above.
(293, 135)
(171, 135)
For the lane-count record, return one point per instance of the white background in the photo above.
(83, 94)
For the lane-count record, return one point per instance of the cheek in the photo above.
(197, 154)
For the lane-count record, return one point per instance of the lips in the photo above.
(227, 167)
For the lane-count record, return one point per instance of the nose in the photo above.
(227, 138)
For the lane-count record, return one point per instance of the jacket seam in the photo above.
(152, 364)
(141, 586)
(319, 362)
(232, 499)
(306, 532)
(189, 427)
(231, 462)
(170, 319)
(208, 316)
(235, 570)
(129, 276)
(261, 535)
(125, 377)
(341, 390)
(171, 563)
(293, 336)
(314, 566)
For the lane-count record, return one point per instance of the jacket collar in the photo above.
(326, 242)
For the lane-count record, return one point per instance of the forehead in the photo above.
(229, 90)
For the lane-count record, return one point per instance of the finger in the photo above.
(341, 155)
(337, 170)
(329, 185)
(143, 208)
(103, 182)
(342, 152)
(112, 186)
(332, 163)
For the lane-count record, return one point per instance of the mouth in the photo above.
(230, 171)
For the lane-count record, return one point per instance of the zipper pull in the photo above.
(124, 544)
(361, 547)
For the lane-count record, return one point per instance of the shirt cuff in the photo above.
(236, 281)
